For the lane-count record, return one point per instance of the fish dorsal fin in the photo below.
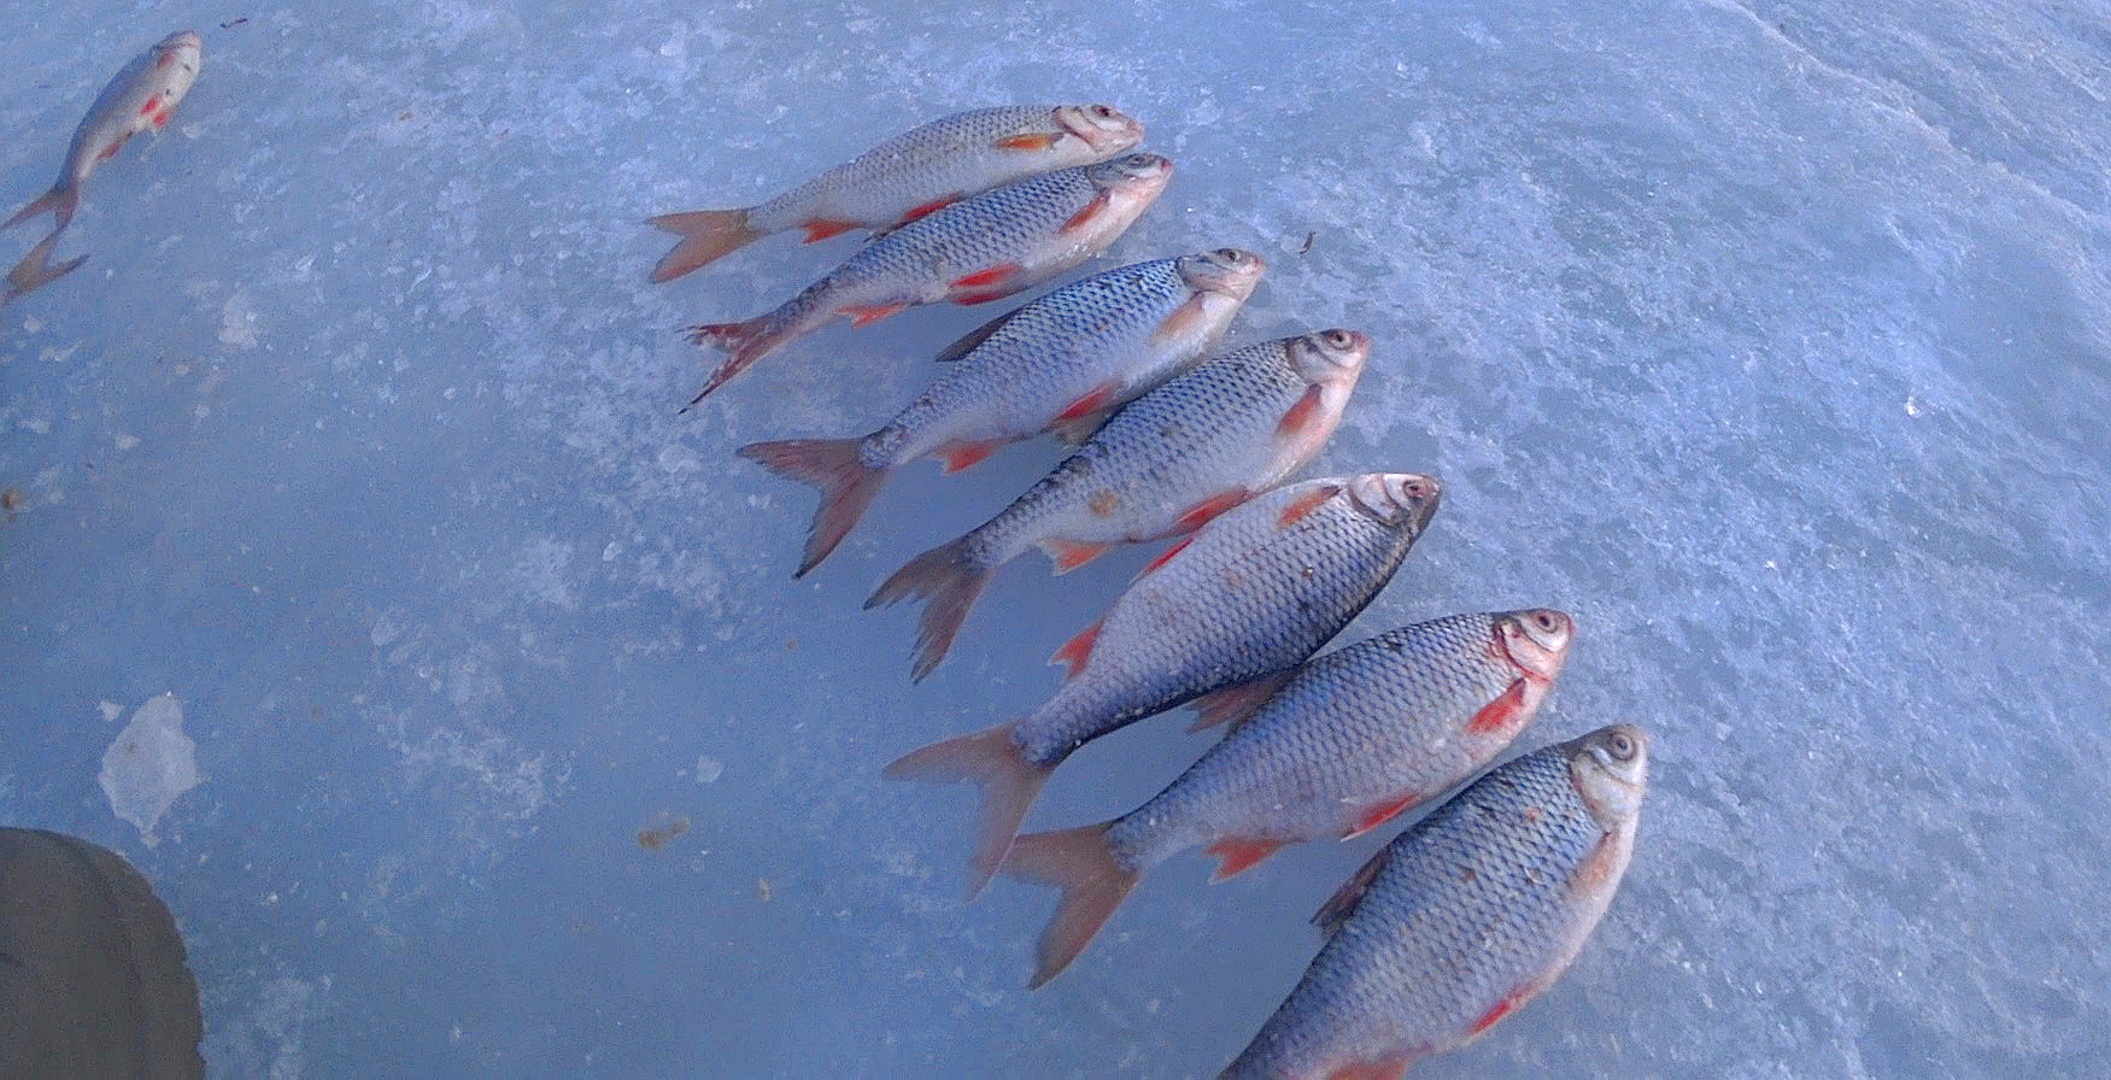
(974, 337)
(1343, 903)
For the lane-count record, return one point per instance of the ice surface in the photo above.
(150, 766)
(1771, 340)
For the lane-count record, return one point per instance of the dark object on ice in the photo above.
(92, 975)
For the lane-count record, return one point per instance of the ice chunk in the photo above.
(150, 766)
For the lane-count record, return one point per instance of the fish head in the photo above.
(1331, 357)
(1397, 500)
(1229, 272)
(1537, 641)
(182, 47)
(1134, 177)
(1104, 128)
(1610, 769)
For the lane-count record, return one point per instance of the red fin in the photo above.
(1167, 555)
(1009, 785)
(1386, 1068)
(1300, 414)
(162, 120)
(1502, 1008)
(707, 236)
(1027, 142)
(1239, 855)
(1379, 814)
(1098, 398)
(951, 580)
(1077, 650)
(1069, 555)
(993, 276)
(1296, 511)
(147, 107)
(1080, 219)
(1079, 862)
(961, 455)
(1500, 713)
(1182, 320)
(859, 316)
(833, 465)
(932, 207)
(1209, 508)
(822, 230)
(1343, 903)
(744, 342)
(1233, 705)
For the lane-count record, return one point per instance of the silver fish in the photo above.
(141, 96)
(1463, 918)
(909, 176)
(1061, 363)
(982, 248)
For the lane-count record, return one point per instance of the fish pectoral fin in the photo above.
(1084, 217)
(1234, 705)
(1300, 415)
(1203, 512)
(983, 286)
(1035, 142)
(1343, 903)
(1296, 511)
(1500, 713)
(932, 207)
(1390, 1067)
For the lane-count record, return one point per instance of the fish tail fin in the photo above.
(62, 200)
(1010, 783)
(707, 236)
(1093, 881)
(743, 342)
(950, 579)
(35, 270)
(847, 485)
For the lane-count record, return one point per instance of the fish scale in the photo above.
(981, 248)
(1464, 917)
(1253, 593)
(1195, 446)
(1355, 729)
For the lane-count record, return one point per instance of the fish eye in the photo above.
(1338, 339)
(1103, 112)
(1231, 255)
(1621, 745)
(1545, 621)
(1138, 161)
(1417, 488)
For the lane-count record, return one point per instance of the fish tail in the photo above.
(62, 200)
(707, 236)
(743, 342)
(1094, 883)
(950, 578)
(1010, 783)
(35, 270)
(847, 486)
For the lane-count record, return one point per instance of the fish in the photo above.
(35, 270)
(1219, 621)
(141, 96)
(1061, 363)
(1463, 918)
(982, 248)
(1353, 739)
(909, 176)
(1199, 444)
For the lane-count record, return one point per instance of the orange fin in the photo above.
(859, 316)
(1181, 321)
(1207, 509)
(1239, 855)
(1166, 556)
(1027, 142)
(1500, 713)
(1083, 217)
(1502, 1008)
(1379, 814)
(1343, 903)
(1069, 554)
(973, 338)
(822, 230)
(1234, 705)
(992, 276)
(950, 579)
(707, 236)
(1077, 651)
(1392, 1067)
(1300, 414)
(961, 455)
(1296, 511)
(833, 465)
(1097, 399)
(1009, 785)
(932, 207)
(1094, 883)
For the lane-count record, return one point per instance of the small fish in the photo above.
(1220, 620)
(1351, 740)
(35, 270)
(1198, 445)
(142, 96)
(1464, 917)
(982, 248)
(1060, 363)
(909, 176)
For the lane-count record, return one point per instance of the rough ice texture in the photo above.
(1771, 340)
(150, 766)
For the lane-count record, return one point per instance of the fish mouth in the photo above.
(181, 39)
(1105, 129)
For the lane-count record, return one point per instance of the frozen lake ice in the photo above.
(1771, 340)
